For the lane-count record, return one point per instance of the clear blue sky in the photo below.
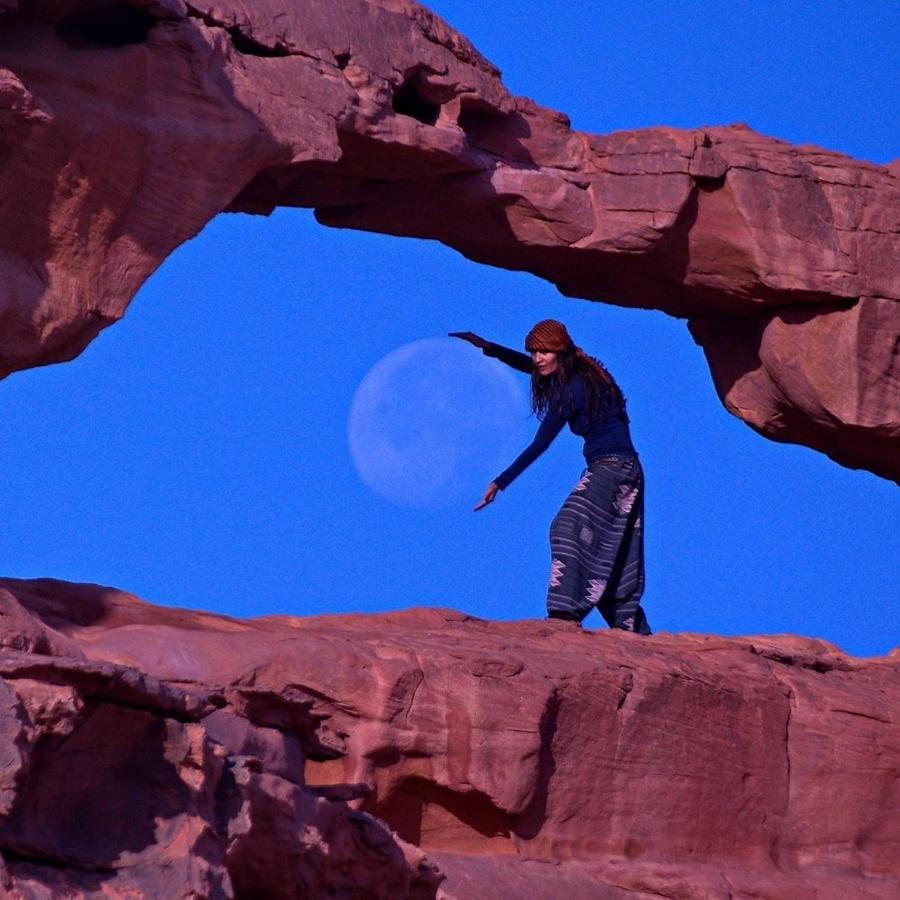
(196, 454)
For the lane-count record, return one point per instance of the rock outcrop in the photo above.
(128, 124)
(429, 754)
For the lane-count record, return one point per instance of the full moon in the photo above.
(434, 421)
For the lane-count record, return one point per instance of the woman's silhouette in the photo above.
(596, 539)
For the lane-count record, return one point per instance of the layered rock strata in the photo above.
(128, 124)
(429, 754)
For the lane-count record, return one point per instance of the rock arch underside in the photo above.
(157, 752)
(129, 124)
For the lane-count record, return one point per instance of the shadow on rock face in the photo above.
(429, 815)
(98, 794)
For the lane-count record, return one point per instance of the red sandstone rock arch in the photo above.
(376, 113)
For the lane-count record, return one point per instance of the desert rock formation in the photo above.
(429, 754)
(128, 124)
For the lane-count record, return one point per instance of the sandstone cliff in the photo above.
(127, 125)
(172, 753)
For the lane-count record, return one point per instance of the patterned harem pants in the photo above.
(597, 546)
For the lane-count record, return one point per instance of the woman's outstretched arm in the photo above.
(514, 358)
(548, 430)
(546, 433)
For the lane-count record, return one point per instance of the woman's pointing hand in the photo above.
(471, 337)
(488, 497)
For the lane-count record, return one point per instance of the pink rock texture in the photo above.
(114, 782)
(429, 754)
(128, 125)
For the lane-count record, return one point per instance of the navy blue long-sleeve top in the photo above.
(605, 431)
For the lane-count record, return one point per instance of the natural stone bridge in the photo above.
(128, 125)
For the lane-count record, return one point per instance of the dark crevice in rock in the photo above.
(227, 798)
(342, 60)
(496, 132)
(861, 715)
(410, 99)
(249, 46)
(341, 793)
(384, 756)
(477, 118)
(116, 25)
(34, 858)
(791, 700)
(141, 706)
(532, 820)
(243, 41)
(627, 687)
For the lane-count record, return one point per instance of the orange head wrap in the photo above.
(550, 336)
(553, 337)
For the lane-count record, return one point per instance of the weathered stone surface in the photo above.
(383, 118)
(114, 782)
(430, 754)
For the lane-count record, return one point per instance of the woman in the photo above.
(596, 539)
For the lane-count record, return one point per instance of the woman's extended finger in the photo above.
(469, 336)
(489, 495)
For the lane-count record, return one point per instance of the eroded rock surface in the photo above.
(114, 782)
(430, 754)
(128, 124)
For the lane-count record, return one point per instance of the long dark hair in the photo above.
(600, 387)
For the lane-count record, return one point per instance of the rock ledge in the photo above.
(427, 753)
